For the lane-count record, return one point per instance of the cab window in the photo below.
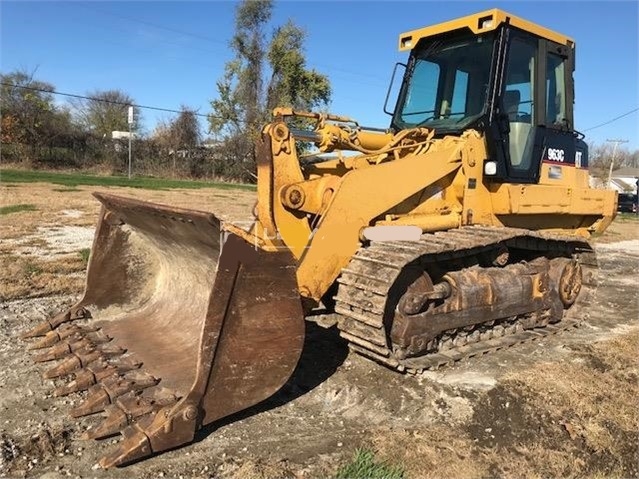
(518, 102)
(555, 90)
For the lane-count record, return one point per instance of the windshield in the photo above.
(447, 84)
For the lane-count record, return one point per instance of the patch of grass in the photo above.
(10, 185)
(75, 179)
(84, 255)
(32, 269)
(5, 210)
(628, 217)
(433, 452)
(364, 465)
(22, 277)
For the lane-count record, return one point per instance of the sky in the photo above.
(168, 54)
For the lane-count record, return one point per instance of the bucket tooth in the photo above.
(110, 350)
(135, 405)
(51, 324)
(70, 329)
(105, 392)
(95, 372)
(124, 364)
(89, 356)
(62, 350)
(117, 387)
(136, 445)
(75, 330)
(77, 360)
(69, 365)
(84, 379)
(54, 337)
(116, 420)
(128, 408)
(40, 330)
(59, 351)
(49, 339)
(103, 370)
(96, 401)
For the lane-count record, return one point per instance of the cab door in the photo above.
(520, 106)
(536, 102)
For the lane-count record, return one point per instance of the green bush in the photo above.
(364, 466)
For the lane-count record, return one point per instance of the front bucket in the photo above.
(178, 327)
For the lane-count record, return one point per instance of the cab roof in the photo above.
(479, 23)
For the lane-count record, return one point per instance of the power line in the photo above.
(331, 68)
(114, 102)
(614, 119)
(170, 110)
(155, 25)
(162, 39)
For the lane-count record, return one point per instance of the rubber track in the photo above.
(364, 285)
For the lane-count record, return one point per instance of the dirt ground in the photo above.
(562, 407)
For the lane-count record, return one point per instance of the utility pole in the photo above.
(614, 154)
(130, 120)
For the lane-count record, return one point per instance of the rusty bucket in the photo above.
(180, 325)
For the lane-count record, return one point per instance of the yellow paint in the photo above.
(318, 210)
(353, 207)
(477, 23)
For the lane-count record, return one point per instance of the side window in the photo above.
(555, 90)
(422, 93)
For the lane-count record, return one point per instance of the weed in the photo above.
(5, 210)
(84, 255)
(66, 190)
(32, 269)
(364, 466)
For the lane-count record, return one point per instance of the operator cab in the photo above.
(498, 74)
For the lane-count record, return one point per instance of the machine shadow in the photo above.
(324, 351)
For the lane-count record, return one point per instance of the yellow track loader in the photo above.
(461, 229)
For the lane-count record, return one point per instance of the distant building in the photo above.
(623, 180)
(627, 179)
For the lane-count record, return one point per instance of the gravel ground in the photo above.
(333, 404)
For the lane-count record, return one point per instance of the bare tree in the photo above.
(178, 138)
(182, 133)
(106, 111)
(601, 156)
(185, 129)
